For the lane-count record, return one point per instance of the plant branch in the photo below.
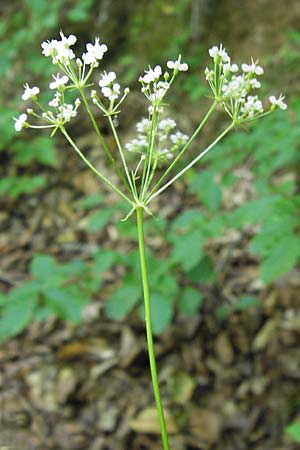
(102, 141)
(90, 165)
(191, 164)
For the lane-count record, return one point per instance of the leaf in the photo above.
(14, 186)
(293, 430)
(246, 302)
(123, 300)
(17, 313)
(90, 201)
(190, 301)
(161, 307)
(42, 266)
(66, 304)
(203, 272)
(187, 249)
(100, 219)
(271, 232)
(256, 211)
(281, 258)
(207, 190)
(40, 149)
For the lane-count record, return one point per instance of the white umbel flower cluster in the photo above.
(109, 88)
(232, 86)
(60, 50)
(167, 141)
(95, 53)
(155, 83)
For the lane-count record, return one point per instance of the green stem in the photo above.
(111, 123)
(160, 412)
(102, 141)
(90, 165)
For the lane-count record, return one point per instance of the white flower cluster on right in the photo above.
(233, 86)
(167, 140)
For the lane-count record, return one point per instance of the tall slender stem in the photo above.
(160, 412)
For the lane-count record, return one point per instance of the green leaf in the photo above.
(123, 300)
(293, 430)
(161, 307)
(256, 211)
(100, 219)
(187, 249)
(66, 304)
(14, 186)
(190, 301)
(281, 258)
(275, 229)
(43, 266)
(207, 190)
(40, 149)
(17, 314)
(90, 201)
(246, 302)
(203, 272)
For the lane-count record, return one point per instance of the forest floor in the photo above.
(226, 385)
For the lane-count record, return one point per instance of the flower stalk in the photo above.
(152, 362)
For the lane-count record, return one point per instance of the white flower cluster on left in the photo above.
(73, 73)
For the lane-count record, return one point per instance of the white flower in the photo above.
(151, 75)
(113, 92)
(179, 138)
(137, 145)
(209, 74)
(177, 65)
(94, 53)
(230, 68)
(59, 50)
(255, 84)
(30, 92)
(67, 111)
(56, 100)
(20, 121)
(143, 126)
(235, 88)
(219, 53)
(166, 124)
(252, 106)
(158, 94)
(107, 78)
(67, 41)
(253, 68)
(278, 102)
(58, 81)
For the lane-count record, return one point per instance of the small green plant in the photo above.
(59, 290)
(293, 430)
(157, 146)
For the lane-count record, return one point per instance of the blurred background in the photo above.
(223, 244)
